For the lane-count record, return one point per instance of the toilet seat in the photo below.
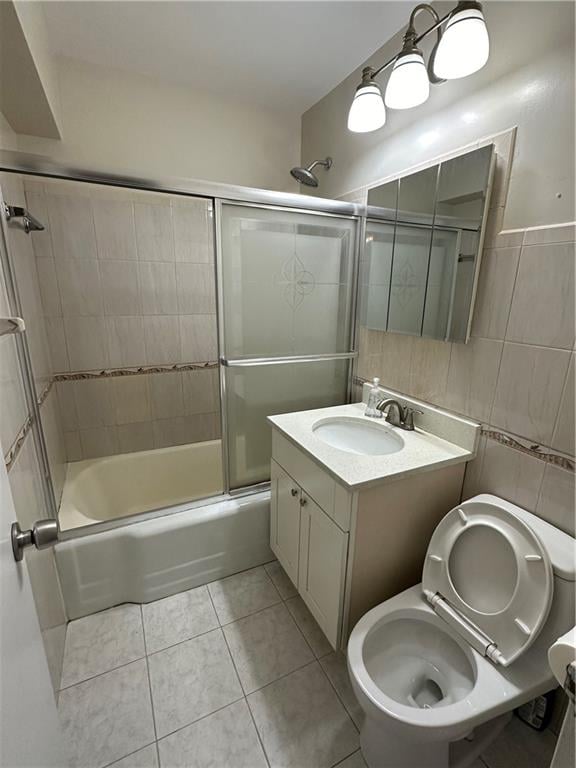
(488, 575)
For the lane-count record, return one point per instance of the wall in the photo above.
(528, 82)
(17, 439)
(516, 375)
(128, 289)
(115, 121)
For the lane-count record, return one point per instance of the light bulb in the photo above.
(464, 46)
(408, 85)
(367, 112)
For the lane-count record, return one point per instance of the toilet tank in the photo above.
(561, 550)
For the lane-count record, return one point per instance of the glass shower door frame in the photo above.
(252, 361)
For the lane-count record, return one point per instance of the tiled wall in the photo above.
(17, 443)
(127, 283)
(516, 375)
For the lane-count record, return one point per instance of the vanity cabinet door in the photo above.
(323, 554)
(285, 520)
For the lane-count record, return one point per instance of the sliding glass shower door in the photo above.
(285, 323)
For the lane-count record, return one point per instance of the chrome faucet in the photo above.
(404, 417)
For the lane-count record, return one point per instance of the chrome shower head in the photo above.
(305, 175)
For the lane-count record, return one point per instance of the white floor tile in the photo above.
(336, 668)
(301, 721)
(107, 717)
(356, 761)
(519, 746)
(242, 594)
(177, 618)
(309, 627)
(266, 646)
(191, 680)
(226, 739)
(144, 758)
(281, 580)
(101, 642)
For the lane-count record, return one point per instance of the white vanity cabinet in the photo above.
(348, 549)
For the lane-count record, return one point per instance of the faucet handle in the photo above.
(409, 417)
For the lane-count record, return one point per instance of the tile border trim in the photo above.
(515, 442)
(13, 451)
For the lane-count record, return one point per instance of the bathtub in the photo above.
(97, 490)
(143, 560)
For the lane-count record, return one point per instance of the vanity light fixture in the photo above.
(459, 51)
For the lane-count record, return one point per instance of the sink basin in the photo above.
(357, 436)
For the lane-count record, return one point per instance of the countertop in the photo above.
(422, 450)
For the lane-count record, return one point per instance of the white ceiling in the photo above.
(285, 55)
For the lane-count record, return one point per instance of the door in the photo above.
(285, 520)
(323, 555)
(29, 729)
(285, 305)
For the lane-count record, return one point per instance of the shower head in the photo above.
(305, 175)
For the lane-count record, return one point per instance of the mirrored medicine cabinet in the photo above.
(422, 250)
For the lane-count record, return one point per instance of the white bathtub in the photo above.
(104, 489)
(150, 559)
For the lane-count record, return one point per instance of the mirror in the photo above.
(422, 248)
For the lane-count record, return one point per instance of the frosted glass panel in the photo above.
(255, 392)
(286, 282)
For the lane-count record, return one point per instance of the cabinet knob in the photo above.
(294, 491)
(303, 501)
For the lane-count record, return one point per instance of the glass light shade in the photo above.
(408, 85)
(367, 112)
(464, 46)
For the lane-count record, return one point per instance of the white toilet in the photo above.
(436, 667)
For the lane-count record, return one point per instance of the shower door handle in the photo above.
(44, 533)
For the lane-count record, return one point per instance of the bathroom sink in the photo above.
(357, 436)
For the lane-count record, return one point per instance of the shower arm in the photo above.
(324, 163)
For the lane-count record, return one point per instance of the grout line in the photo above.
(100, 674)
(356, 752)
(109, 765)
(198, 719)
(338, 695)
(148, 676)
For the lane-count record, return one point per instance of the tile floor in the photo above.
(235, 674)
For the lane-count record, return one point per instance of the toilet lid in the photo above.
(493, 570)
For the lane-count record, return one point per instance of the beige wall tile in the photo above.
(41, 241)
(86, 343)
(80, 287)
(186, 429)
(125, 341)
(201, 391)
(196, 289)
(198, 338)
(13, 409)
(166, 397)
(49, 290)
(511, 474)
(542, 309)
(57, 344)
(100, 441)
(161, 340)
(95, 406)
(528, 391)
(472, 376)
(563, 437)
(154, 235)
(563, 233)
(495, 289)
(473, 473)
(73, 446)
(193, 235)
(158, 288)
(115, 233)
(556, 501)
(120, 288)
(396, 359)
(67, 406)
(131, 399)
(429, 369)
(135, 437)
(71, 227)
